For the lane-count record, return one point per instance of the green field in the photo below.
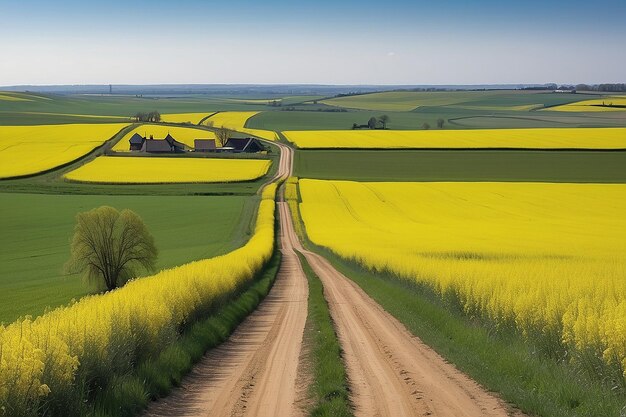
(37, 229)
(461, 165)
(454, 118)
(58, 109)
(407, 101)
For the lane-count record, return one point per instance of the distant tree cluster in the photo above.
(608, 88)
(153, 116)
(373, 123)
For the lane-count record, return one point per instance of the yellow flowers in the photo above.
(558, 138)
(154, 170)
(28, 150)
(184, 135)
(44, 357)
(617, 103)
(545, 258)
(236, 120)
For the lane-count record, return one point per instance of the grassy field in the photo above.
(37, 228)
(454, 118)
(489, 100)
(454, 165)
(498, 99)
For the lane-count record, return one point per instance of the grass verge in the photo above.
(128, 395)
(329, 390)
(501, 362)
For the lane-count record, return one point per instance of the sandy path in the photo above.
(254, 372)
(391, 372)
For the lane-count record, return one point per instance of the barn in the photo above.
(244, 145)
(204, 145)
(136, 142)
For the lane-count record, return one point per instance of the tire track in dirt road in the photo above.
(391, 372)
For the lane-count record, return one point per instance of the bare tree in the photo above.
(109, 246)
(440, 123)
(222, 134)
(371, 123)
(384, 119)
(425, 126)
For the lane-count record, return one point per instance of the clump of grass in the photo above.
(329, 391)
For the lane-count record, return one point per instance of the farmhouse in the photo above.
(244, 145)
(136, 142)
(167, 145)
(204, 145)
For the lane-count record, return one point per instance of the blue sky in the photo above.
(326, 42)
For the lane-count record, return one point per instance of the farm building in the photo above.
(204, 145)
(244, 145)
(136, 142)
(151, 145)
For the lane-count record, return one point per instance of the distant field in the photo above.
(486, 100)
(185, 135)
(193, 118)
(458, 165)
(564, 138)
(26, 150)
(154, 170)
(596, 105)
(454, 118)
(236, 120)
(36, 232)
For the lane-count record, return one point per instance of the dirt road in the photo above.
(254, 372)
(391, 372)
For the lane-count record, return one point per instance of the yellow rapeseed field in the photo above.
(594, 105)
(184, 135)
(546, 259)
(555, 138)
(193, 118)
(28, 150)
(41, 359)
(236, 120)
(12, 97)
(145, 170)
